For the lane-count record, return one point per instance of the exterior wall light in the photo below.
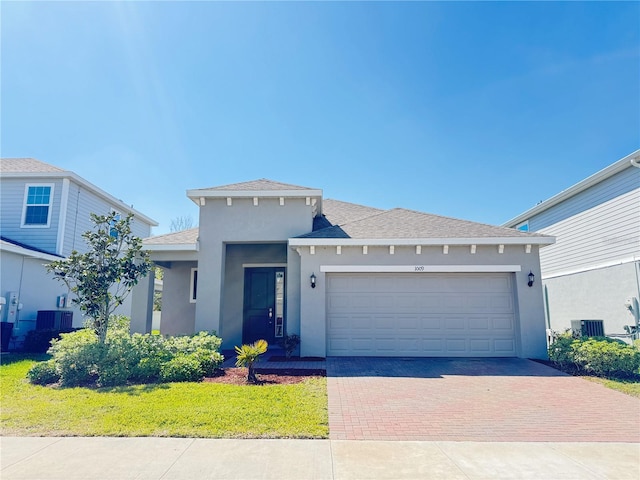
(313, 280)
(531, 278)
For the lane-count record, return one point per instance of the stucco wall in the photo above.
(233, 295)
(530, 331)
(178, 314)
(240, 222)
(593, 295)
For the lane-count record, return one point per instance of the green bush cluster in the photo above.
(600, 356)
(80, 359)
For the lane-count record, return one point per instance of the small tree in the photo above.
(102, 277)
(248, 355)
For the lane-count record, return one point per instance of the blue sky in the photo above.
(471, 110)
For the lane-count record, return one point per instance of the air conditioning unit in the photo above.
(588, 328)
(54, 320)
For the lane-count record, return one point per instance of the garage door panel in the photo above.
(409, 345)
(362, 344)
(502, 302)
(411, 323)
(456, 345)
(479, 323)
(420, 315)
(455, 323)
(432, 323)
(480, 345)
(502, 323)
(362, 302)
(359, 322)
(383, 323)
(338, 302)
(339, 322)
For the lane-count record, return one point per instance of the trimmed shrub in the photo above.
(604, 357)
(43, 373)
(600, 356)
(561, 351)
(76, 356)
(182, 368)
(80, 359)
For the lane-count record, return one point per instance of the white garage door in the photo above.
(424, 315)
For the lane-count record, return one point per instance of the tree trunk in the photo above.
(251, 376)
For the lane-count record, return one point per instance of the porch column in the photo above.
(210, 283)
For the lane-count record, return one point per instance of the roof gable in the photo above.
(35, 169)
(256, 185)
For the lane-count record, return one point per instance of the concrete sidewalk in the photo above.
(103, 458)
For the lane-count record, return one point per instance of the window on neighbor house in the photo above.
(112, 226)
(193, 289)
(37, 205)
(523, 227)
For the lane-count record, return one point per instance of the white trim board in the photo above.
(420, 268)
(591, 268)
(532, 240)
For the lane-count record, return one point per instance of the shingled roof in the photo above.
(344, 220)
(175, 238)
(26, 165)
(262, 184)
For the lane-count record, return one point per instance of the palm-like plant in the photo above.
(248, 355)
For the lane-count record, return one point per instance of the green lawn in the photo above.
(174, 409)
(630, 387)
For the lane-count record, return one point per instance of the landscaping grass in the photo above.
(630, 387)
(165, 410)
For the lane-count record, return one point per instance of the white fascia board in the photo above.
(212, 193)
(89, 186)
(420, 268)
(594, 179)
(171, 247)
(535, 240)
(7, 247)
(613, 263)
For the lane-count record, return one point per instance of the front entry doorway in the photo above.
(263, 304)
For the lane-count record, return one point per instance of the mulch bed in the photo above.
(266, 376)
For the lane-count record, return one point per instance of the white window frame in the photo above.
(523, 224)
(193, 293)
(24, 205)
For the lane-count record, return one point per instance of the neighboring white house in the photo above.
(593, 270)
(44, 211)
(271, 259)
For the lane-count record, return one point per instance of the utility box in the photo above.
(54, 320)
(588, 328)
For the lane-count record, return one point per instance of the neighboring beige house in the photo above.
(593, 270)
(270, 258)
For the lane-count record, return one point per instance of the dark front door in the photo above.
(263, 304)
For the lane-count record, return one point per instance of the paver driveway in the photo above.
(472, 399)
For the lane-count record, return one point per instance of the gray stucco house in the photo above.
(271, 259)
(593, 270)
(44, 210)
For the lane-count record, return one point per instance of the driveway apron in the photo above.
(446, 399)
